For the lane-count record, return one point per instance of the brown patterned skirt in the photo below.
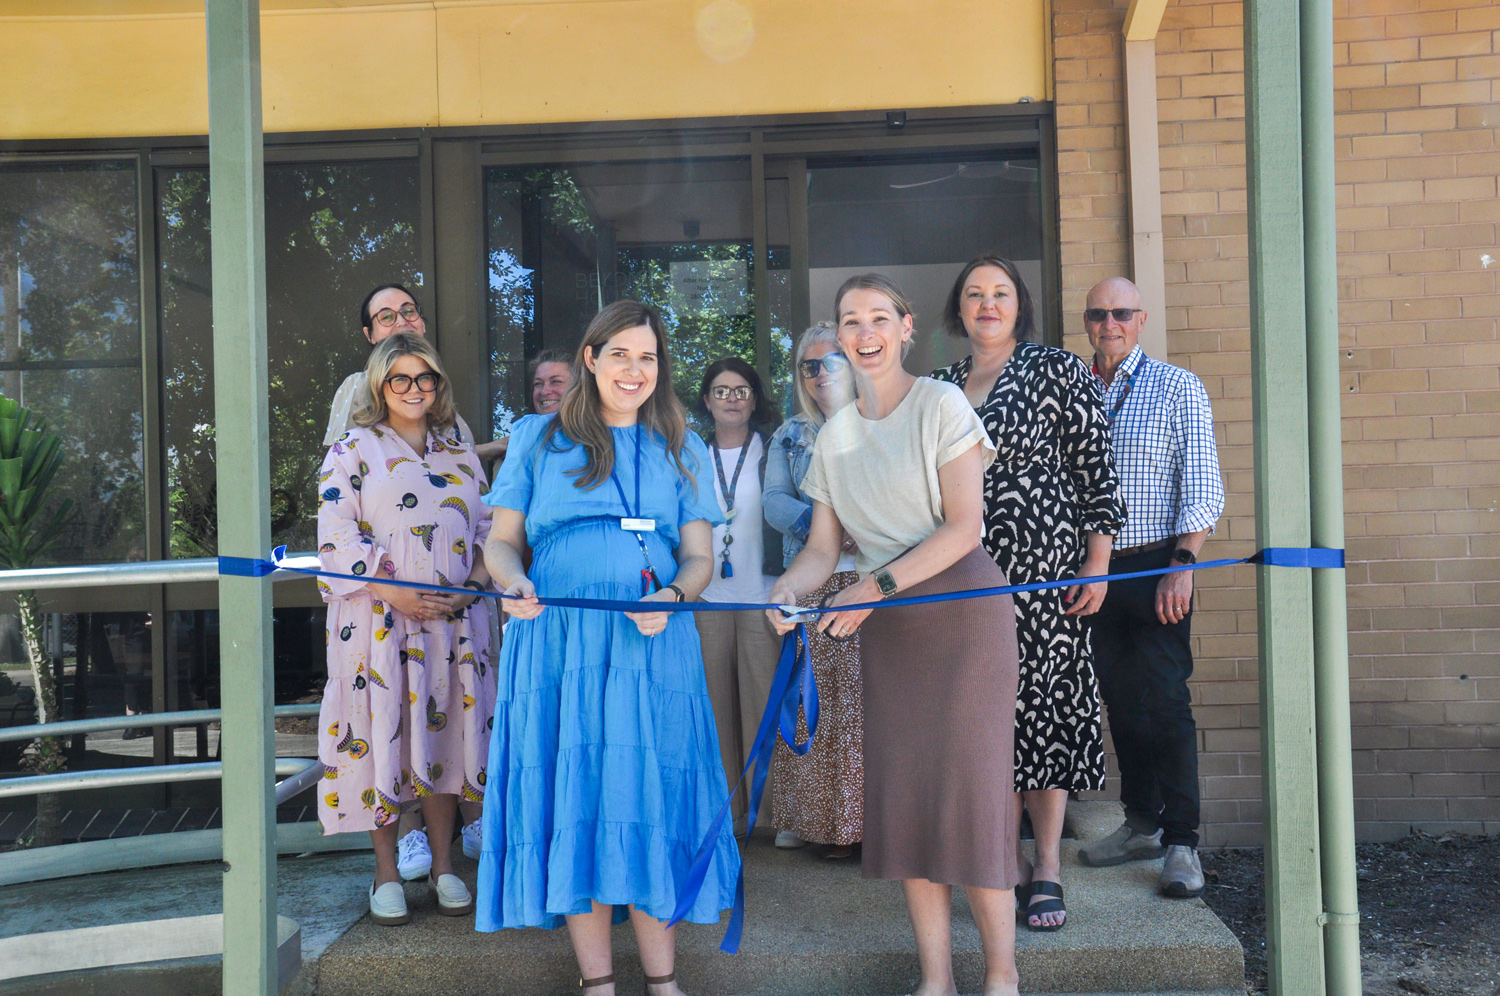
(820, 795)
(940, 706)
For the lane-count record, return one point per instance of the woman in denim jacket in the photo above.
(817, 797)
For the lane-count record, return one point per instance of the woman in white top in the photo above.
(740, 649)
(902, 472)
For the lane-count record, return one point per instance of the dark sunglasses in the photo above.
(1121, 315)
(811, 368)
(425, 382)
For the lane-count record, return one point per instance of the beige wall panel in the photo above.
(519, 62)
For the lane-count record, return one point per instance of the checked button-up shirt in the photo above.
(1163, 431)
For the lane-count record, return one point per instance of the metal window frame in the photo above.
(451, 237)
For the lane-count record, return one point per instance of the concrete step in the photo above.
(814, 928)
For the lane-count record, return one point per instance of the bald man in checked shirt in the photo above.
(1162, 429)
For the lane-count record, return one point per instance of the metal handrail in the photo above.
(187, 717)
(76, 781)
(135, 572)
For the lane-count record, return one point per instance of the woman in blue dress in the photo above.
(604, 771)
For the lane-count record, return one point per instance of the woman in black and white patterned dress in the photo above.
(1052, 509)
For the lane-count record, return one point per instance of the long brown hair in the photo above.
(581, 416)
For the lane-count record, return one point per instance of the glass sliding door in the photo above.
(562, 242)
(918, 221)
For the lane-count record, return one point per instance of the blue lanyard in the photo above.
(1129, 383)
(648, 573)
(726, 569)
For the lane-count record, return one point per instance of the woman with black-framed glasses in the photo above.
(388, 310)
(740, 649)
(405, 719)
(819, 796)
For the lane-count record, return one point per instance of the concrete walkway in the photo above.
(813, 928)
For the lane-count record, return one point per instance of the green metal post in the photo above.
(236, 182)
(1325, 447)
(1278, 351)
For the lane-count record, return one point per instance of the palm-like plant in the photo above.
(29, 523)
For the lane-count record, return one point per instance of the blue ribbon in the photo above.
(247, 567)
(792, 685)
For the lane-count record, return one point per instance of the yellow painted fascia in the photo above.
(1143, 19)
(333, 65)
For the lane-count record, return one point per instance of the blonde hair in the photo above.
(885, 285)
(581, 416)
(372, 409)
(807, 405)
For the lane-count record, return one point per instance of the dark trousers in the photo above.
(1143, 669)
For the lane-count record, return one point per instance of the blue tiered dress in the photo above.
(604, 770)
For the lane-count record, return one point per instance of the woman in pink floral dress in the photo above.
(407, 710)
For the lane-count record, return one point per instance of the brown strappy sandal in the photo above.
(602, 980)
(661, 980)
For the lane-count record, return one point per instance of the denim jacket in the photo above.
(786, 507)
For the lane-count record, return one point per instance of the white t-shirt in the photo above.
(747, 553)
(352, 390)
(880, 476)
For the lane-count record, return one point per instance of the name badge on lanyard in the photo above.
(635, 523)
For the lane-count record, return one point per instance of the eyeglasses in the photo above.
(388, 316)
(425, 382)
(741, 393)
(811, 368)
(1121, 315)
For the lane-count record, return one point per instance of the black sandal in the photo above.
(1023, 898)
(1053, 905)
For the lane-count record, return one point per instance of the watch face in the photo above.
(886, 582)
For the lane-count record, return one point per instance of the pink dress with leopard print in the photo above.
(408, 707)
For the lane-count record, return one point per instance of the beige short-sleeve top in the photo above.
(880, 476)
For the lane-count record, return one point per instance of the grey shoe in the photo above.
(1125, 844)
(1181, 874)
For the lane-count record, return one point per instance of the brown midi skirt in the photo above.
(939, 711)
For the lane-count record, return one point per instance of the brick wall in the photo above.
(1418, 104)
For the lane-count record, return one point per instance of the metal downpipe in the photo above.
(1330, 615)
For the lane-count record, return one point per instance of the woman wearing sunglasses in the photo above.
(405, 719)
(819, 796)
(1052, 507)
(739, 648)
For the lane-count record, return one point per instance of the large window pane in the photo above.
(333, 231)
(918, 222)
(563, 242)
(70, 340)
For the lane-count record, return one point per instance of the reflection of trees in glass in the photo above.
(333, 231)
(70, 338)
(703, 329)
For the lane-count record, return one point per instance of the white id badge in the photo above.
(638, 525)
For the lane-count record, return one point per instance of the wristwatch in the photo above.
(1182, 556)
(681, 595)
(886, 582)
(471, 583)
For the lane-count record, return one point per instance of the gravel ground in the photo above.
(1429, 910)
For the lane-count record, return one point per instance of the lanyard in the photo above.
(726, 569)
(633, 522)
(1129, 383)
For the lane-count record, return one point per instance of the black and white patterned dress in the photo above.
(1053, 480)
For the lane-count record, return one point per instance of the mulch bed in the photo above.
(1429, 910)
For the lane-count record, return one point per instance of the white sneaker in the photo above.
(452, 895)
(473, 840)
(413, 856)
(388, 905)
(788, 841)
